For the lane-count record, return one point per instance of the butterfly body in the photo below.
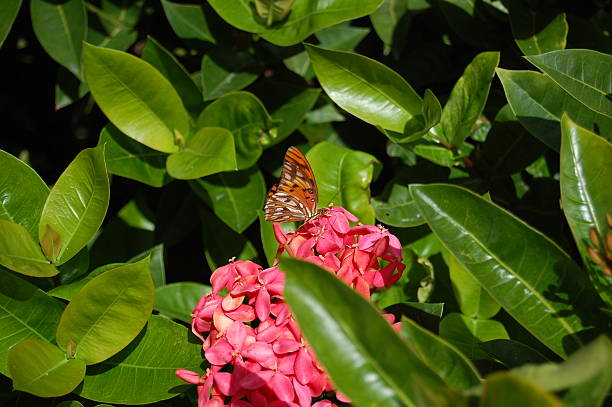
(294, 197)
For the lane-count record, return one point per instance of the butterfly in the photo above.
(294, 198)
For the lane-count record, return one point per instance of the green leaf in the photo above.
(248, 120)
(209, 151)
(225, 70)
(442, 357)
(20, 252)
(136, 98)
(23, 193)
(69, 403)
(42, 369)
(188, 21)
(166, 63)
(147, 363)
(222, 243)
(68, 291)
(25, 312)
(373, 366)
(537, 31)
(582, 73)
(503, 389)
(76, 206)
(235, 197)
(512, 353)
(61, 28)
(130, 159)
(306, 17)
(178, 300)
(273, 11)
(466, 333)
(473, 300)
(343, 178)
(8, 13)
(68, 88)
(539, 103)
(107, 314)
(268, 241)
(156, 263)
(399, 210)
(526, 273)
(586, 196)
(468, 98)
(341, 37)
(468, 20)
(386, 18)
(367, 89)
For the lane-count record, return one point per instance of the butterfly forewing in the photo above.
(294, 197)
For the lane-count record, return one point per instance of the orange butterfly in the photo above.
(294, 198)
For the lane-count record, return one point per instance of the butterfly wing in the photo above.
(294, 197)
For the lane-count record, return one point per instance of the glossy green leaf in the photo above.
(537, 31)
(473, 300)
(166, 63)
(136, 98)
(235, 197)
(188, 21)
(128, 158)
(343, 178)
(506, 390)
(148, 362)
(61, 28)
(248, 120)
(41, 368)
(106, 314)
(21, 253)
(367, 89)
(512, 353)
(399, 209)
(23, 193)
(582, 73)
(415, 129)
(25, 312)
(373, 366)
(466, 333)
(210, 150)
(222, 243)
(8, 13)
(586, 196)
(305, 18)
(178, 300)
(68, 291)
(468, 98)
(442, 357)
(225, 70)
(525, 272)
(76, 206)
(539, 103)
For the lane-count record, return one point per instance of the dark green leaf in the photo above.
(343, 178)
(61, 26)
(42, 369)
(506, 390)
(106, 314)
(178, 300)
(166, 63)
(136, 98)
(526, 273)
(266, 232)
(466, 333)
(129, 158)
(25, 312)
(68, 88)
(156, 263)
(76, 206)
(537, 31)
(235, 197)
(188, 21)
(225, 70)
(586, 195)
(69, 290)
(209, 151)
(8, 13)
(399, 210)
(367, 89)
(373, 366)
(148, 362)
(23, 193)
(512, 353)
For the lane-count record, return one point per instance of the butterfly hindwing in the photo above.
(295, 196)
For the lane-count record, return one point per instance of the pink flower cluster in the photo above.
(257, 355)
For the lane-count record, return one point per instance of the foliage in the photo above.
(477, 132)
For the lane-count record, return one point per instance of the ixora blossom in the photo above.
(257, 355)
